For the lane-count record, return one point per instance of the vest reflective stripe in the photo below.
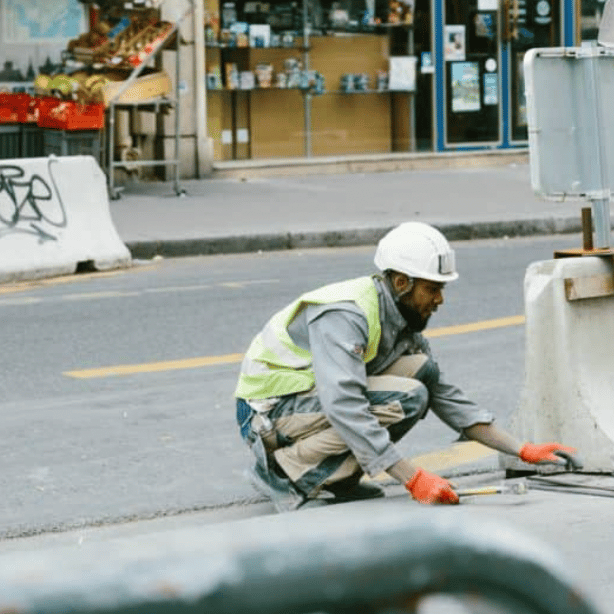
(275, 366)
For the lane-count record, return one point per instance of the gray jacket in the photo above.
(336, 334)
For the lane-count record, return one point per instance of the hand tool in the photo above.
(572, 463)
(515, 488)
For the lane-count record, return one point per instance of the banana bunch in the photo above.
(79, 86)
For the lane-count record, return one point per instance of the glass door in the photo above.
(472, 60)
(526, 24)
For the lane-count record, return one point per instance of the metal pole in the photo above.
(177, 110)
(601, 209)
(600, 201)
(200, 96)
(110, 152)
(412, 95)
(307, 94)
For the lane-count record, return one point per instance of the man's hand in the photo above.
(429, 488)
(543, 452)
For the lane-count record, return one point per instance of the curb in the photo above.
(368, 163)
(207, 246)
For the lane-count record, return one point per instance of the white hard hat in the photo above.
(418, 250)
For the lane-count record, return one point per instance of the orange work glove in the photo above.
(543, 452)
(429, 488)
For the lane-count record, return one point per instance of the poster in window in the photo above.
(465, 87)
(484, 24)
(402, 74)
(491, 89)
(455, 43)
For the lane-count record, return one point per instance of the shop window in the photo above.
(529, 23)
(471, 53)
(329, 77)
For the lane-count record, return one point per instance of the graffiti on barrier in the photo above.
(29, 205)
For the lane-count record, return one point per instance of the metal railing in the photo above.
(367, 558)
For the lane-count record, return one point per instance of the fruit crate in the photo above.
(17, 108)
(69, 115)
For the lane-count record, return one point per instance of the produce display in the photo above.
(125, 43)
(118, 42)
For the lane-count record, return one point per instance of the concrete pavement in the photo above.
(244, 213)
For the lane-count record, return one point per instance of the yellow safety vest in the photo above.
(275, 366)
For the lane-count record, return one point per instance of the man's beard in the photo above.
(414, 320)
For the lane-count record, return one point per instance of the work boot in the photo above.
(279, 490)
(352, 489)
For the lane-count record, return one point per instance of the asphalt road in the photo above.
(155, 435)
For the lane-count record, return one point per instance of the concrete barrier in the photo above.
(568, 393)
(54, 216)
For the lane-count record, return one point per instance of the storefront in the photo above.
(480, 50)
(313, 78)
(373, 77)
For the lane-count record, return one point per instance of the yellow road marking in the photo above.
(96, 295)
(85, 296)
(206, 361)
(473, 327)
(154, 367)
(457, 454)
(20, 301)
(23, 286)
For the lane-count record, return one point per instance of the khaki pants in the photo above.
(311, 452)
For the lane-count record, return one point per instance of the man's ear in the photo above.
(401, 283)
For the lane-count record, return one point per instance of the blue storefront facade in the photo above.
(478, 50)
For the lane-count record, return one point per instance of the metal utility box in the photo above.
(570, 96)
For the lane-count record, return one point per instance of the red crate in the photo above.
(9, 108)
(28, 111)
(68, 115)
(17, 108)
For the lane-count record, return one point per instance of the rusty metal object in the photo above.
(587, 248)
(587, 228)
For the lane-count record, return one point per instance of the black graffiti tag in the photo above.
(29, 205)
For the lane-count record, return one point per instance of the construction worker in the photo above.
(338, 376)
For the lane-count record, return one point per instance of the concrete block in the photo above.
(55, 216)
(569, 362)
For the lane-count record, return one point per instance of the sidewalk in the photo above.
(234, 215)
